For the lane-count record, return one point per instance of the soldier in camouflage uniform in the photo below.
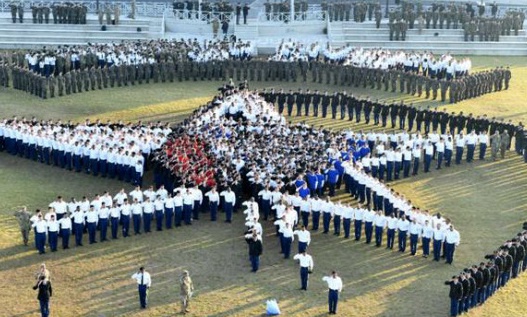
(105, 76)
(43, 82)
(444, 87)
(67, 83)
(23, 218)
(60, 85)
(51, 85)
(13, 7)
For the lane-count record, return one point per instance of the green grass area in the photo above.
(486, 201)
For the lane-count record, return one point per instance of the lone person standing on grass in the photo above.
(335, 287)
(44, 294)
(23, 217)
(143, 285)
(187, 287)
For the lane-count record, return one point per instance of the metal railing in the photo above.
(205, 16)
(148, 9)
(285, 17)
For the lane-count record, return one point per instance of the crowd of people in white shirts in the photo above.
(386, 155)
(113, 150)
(378, 58)
(46, 62)
(250, 137)
(138, 211)
(268, 177)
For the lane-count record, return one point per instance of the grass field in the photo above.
(485, 200)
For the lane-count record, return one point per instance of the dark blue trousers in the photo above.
(449, 252)
(454, 307)
(114, 226)
(437, 249)
(459, 154)
(402, 240)
(305, 218)
(65, 238)
(333, 299)
(79, 229)
(137, 223)
(413, 243)
(159, 220)
(187, 213)
(40, 240)
(92, 227)
(178, 212)
(326, 219)
(316, 219)
(346, 223)
(227, 207)
(304, 277)
(440, 156)
(147, 220)
(336, 224)
(213, 206)
(302, 246)
(169, 214)
(358, 229)
(426, 246)
(53, 239)
(44, 307)
(103, 227)
(368, 230)
(378, 235)
(390, 238)
(287, 247)
(126, 225)
(255, 262)
(482, 150)
(143, 295)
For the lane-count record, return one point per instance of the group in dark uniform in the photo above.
(17, 7)
(57, 13)
(187, 9)
(455, 16)
(341, 105)
(474, 285)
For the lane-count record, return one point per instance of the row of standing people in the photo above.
(139, 211)
(63, 13)
(475, 284)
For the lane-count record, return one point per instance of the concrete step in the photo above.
(90, 20)
(39, 45)
(246, 31)
(381, 36)
(470, 48)
(373, 30)
(445, 44)
(66, 39)
(72, 33)
(71, 28)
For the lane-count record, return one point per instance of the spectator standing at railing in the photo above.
(13, 6)
(238, 13)
(245, 11)
(215, 27)
(116, 13)
(225, 26)
(21, 12)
